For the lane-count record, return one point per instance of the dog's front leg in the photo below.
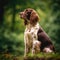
(27, 49)
(36, 47)
(27, 44)
(33, 48)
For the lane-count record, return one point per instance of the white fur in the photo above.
(47, 50)
(36, 46)
(30, 38)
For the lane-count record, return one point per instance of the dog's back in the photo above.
(45, 40)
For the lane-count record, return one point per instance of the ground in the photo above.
(41, 56)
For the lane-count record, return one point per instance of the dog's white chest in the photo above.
(31, 33)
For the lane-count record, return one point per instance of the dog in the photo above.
(35, 38)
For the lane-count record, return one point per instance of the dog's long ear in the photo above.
(34, 17)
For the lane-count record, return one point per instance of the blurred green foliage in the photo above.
(12, 26)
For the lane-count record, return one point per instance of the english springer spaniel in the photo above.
(35, 38)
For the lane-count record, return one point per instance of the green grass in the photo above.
(45, 56)
(29, 56)
(10, 57)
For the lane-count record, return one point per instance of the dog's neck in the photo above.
(29, 26)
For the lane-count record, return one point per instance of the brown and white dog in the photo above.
(35, 38)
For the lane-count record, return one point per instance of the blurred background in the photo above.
(12, 26)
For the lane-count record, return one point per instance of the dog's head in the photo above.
(30, 16)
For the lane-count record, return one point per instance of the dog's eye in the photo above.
(26, 10)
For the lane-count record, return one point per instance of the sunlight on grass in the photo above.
(43, 56)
